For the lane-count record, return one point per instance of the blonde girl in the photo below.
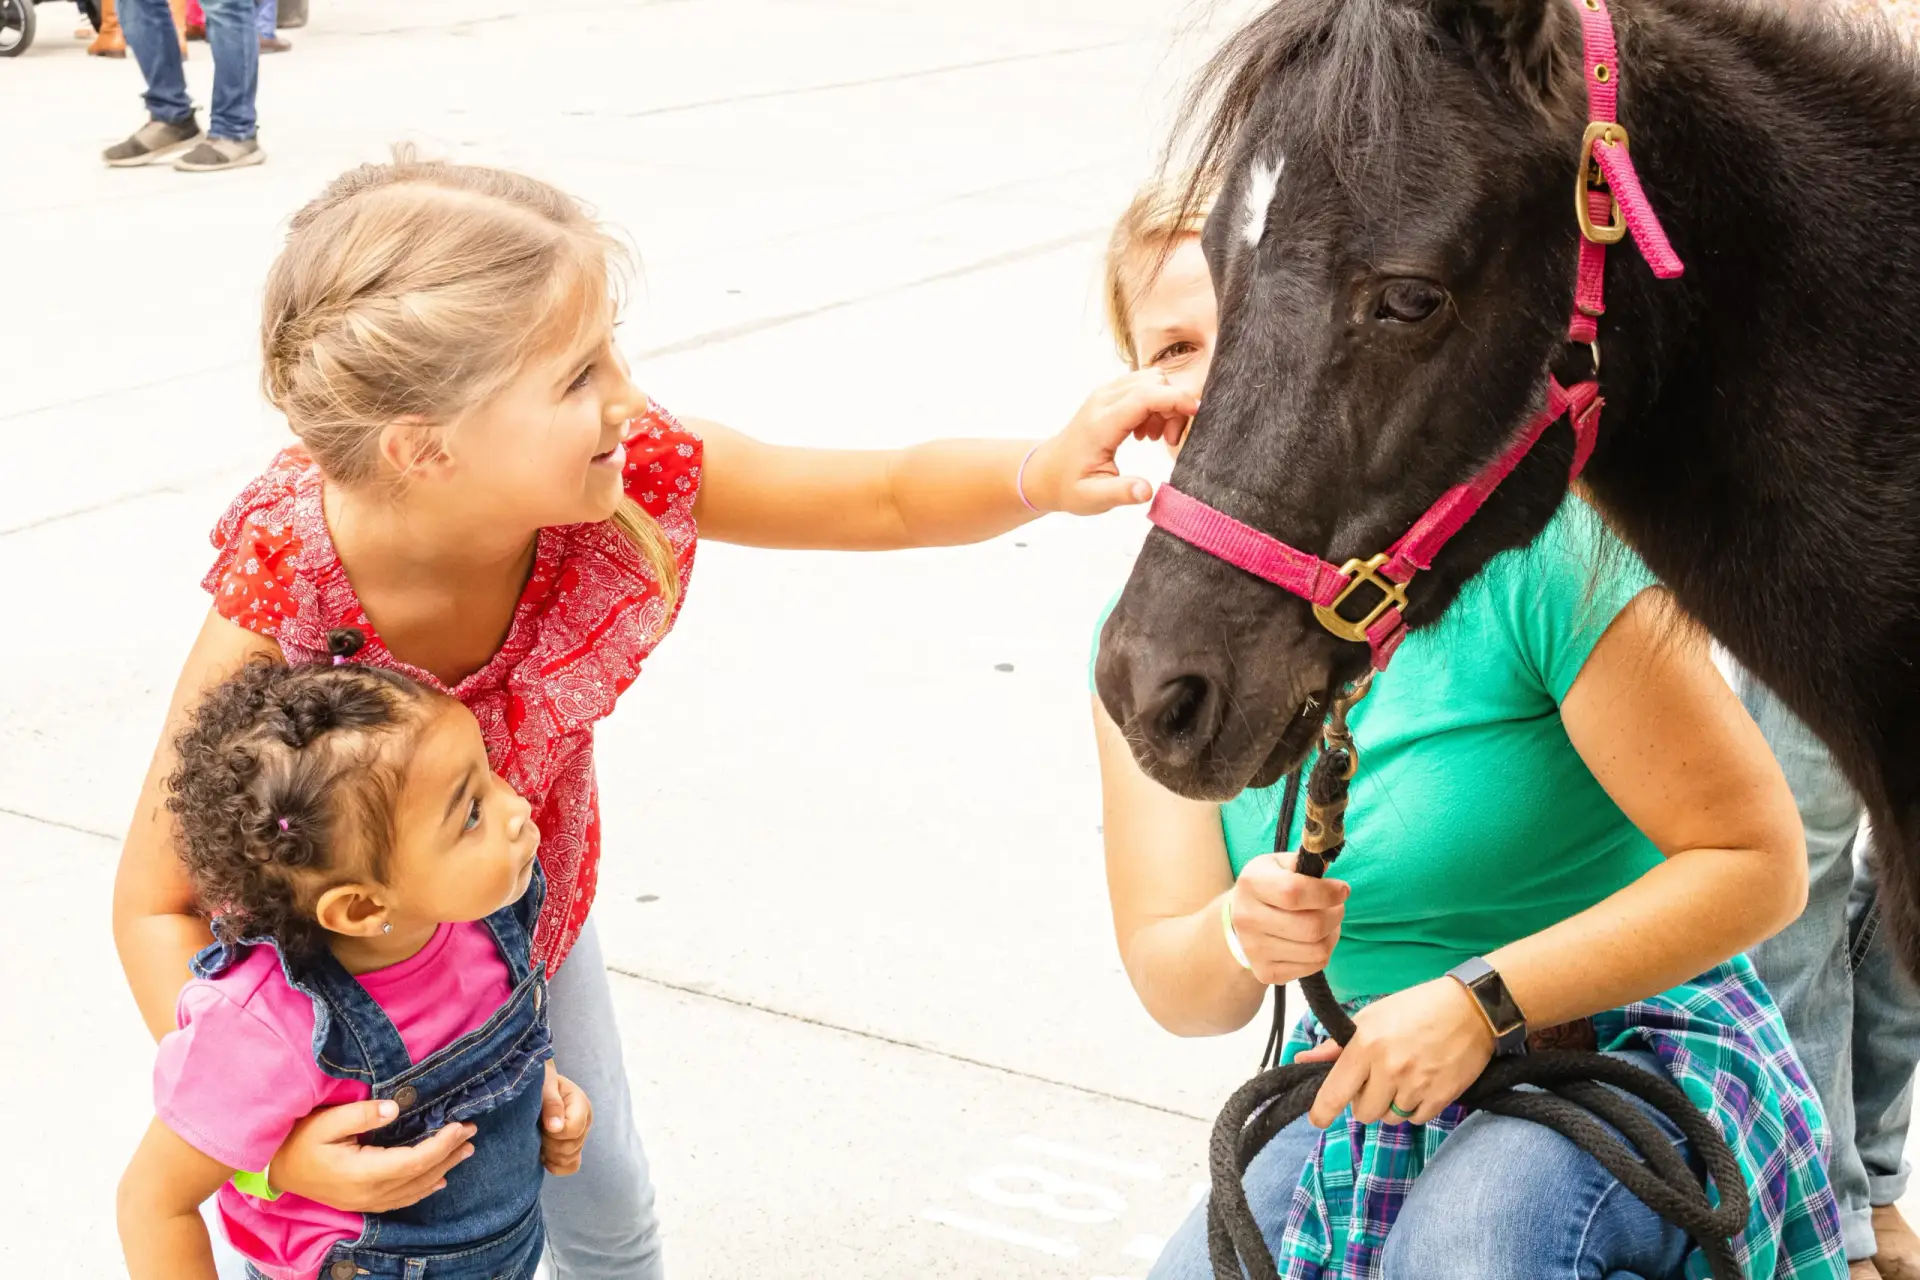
(481, 490)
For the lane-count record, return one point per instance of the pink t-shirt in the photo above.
(239, 1073)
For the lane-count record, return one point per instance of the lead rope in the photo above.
(1569, 1093)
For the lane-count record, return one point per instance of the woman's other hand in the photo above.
(1286, 923)
(323, 1160)
(1416, 1050)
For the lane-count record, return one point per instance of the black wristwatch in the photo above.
(1484, 983)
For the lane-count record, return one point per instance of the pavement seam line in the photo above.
(55, 822)
(739, 1002)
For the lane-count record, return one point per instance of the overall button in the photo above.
(536, 999)
(343, 1270)
(403, 1097)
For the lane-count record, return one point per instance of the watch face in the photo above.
(1499, 1005)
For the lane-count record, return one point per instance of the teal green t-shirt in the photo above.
(1473, 821)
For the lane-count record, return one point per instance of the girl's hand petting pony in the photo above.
(1075, 471)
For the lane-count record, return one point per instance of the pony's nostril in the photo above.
(1188, 711)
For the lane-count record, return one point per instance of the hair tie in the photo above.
(283, 824)
(343, 643)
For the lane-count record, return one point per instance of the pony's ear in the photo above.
(1520, 42)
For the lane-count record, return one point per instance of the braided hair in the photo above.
(287, 777)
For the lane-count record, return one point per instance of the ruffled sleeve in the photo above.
(664, 461)
(255, 544)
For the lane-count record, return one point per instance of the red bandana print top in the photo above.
(591, 611)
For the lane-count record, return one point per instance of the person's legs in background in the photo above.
(230, 141)
(1832, 1007)
(266, 18)
(600, 1221)
(111, 42)
(148, 26)
(1886, 1048)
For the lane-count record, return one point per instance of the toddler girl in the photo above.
(377, 889)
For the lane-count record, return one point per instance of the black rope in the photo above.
(1572, 1093)
(1283, 834)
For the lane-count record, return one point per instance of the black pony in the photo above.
(1394, 251)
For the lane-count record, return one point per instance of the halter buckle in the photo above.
(1358, 573)
(1587, 177)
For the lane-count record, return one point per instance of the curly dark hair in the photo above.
(287, 777)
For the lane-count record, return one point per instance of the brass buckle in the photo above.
(1587, 178)
(1358, 572)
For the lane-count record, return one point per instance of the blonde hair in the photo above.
(419, 289)
(1158, 216)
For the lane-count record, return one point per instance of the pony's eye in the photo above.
(1409, 301)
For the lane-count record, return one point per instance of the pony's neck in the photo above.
(1751, 404)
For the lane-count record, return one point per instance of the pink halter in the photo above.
(1608, 203)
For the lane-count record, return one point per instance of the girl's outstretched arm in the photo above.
(944, 493)
(159, 1208)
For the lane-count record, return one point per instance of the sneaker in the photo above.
(154, 140)
(221, 153)
(274, 44)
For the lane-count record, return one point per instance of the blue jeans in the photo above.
(236, 62)
(266, 18)
(1519, 1200)
(1853, 1014)
(600, 1222)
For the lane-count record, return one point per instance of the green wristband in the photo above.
(255, 1184)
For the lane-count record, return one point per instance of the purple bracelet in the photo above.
(1020, 481)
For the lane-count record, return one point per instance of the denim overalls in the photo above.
(485, 1224)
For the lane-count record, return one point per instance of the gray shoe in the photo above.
(221, 153)
(154, 140)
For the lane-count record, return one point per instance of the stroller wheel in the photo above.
(16, 27)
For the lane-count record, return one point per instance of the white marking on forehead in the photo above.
(1262, 181)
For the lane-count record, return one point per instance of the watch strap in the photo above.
(1484, 983)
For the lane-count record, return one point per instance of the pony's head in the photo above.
(1393, 247)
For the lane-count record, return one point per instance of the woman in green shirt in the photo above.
(1555, 780)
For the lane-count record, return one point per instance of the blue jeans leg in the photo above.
(1809, 966)
(600, 1222)
(1886, 1043)
(1270, 1181)
(156, 47)
(1524, 1203)
(266, 19)
(1520, 1200)
(236, 67)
